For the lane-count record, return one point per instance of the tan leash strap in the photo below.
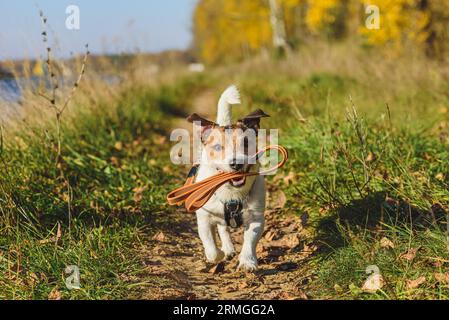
(195, 195)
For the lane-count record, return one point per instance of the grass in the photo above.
(366, 166)
(114, 183)
(369, 162)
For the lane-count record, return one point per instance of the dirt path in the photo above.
(175, 253)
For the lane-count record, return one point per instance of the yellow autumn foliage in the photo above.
(319, 13)
(226, 30)
(399, 21)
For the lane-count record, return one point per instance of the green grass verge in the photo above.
(111, 190)
(364, 173)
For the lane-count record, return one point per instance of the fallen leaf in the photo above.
(269, 236)
(290, 178)
(409, 255)
(442, 277)
(291, 241)
(373, 283)
(161, 251)
(118, 145)
(178, 275)
(33, 278)
(137, 142)
(386, 243)
(301, 295)
(138, 193)
(437, 264)
(160, 236)
(413, 284)
(138, 197)
(115, 161)
(166, 169)
(323, 210)
(440, 176)
(230, 288)
(55, 294)
(159, 140)
(338, 288)
(261, 248)
(370, 157)
(286, 296)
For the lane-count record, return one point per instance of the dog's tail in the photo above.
(229, 97)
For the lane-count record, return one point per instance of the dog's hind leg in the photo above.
(206, 232)
(226, 242)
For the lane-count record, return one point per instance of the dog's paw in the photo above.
(247, 264)
(214, 256)
(229, 252)
(229, 255)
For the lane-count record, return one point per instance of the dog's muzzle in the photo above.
(233, 210)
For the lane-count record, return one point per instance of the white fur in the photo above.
(229, 97)
(210, 218)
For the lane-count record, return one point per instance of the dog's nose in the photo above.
(234, 164)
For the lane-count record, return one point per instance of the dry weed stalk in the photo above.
(52, 98)
(60, 108)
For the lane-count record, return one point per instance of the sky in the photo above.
(108, 26)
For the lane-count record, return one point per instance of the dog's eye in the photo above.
(217, 147)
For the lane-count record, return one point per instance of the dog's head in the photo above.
(230, 148)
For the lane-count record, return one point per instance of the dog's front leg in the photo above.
(253, 225)
(251, 236)
(226, 242)
(206, 232)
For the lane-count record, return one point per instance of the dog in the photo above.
(228, 147)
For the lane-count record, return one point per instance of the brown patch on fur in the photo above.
(219, 139)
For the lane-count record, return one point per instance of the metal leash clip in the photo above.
(233, 210)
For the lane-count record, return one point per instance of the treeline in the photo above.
(228, 30)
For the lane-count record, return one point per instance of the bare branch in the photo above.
(78, 80)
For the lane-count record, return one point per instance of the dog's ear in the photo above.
(206, 125)
(252, 120)
(194, 117)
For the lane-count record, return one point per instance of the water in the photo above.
(10, 90)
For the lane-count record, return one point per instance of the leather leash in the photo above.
(195, 195)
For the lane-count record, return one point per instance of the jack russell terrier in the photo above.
(228, 147)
